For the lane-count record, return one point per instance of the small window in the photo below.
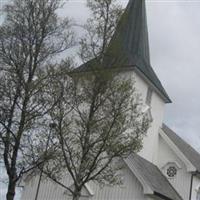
(149, 96)
(171, 171)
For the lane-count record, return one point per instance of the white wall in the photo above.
(181, 182)
(150, 142)
(130, 190)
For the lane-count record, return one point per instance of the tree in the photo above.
(101, 124)
(31, 38)
(100, 121)
(105, 15)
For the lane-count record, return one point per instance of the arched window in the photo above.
(198, 194)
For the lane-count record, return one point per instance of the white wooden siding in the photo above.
(150, 142)
(181, 182)
(130, 190)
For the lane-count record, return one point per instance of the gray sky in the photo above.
(174, 34)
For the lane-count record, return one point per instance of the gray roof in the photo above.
(153, 177)
(190, 153)
(129, 46)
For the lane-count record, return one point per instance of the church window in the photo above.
(149, 115)
(172, 171)
(198, 194)
(149, 96)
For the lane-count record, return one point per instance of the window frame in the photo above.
(149, 96)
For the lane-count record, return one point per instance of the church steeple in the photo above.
(131, 36)
(129, 46)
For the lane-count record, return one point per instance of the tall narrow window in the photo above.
(149, 96)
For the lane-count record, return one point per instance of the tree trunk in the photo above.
(11, 190)
(77, 195)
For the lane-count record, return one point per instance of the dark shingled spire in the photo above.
(129, 46)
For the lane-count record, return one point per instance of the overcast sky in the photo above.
(174, 35)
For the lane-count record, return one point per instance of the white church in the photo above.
(167, 168)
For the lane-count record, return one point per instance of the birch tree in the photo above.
(96, 126)
(31, 38)
(100, 121)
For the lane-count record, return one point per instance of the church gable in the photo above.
(167, 146)
(190, 153)
(153, 181)
(180, 163)
(174, 167)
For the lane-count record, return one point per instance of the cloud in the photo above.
(174, 29)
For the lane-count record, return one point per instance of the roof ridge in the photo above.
(136, 161)
(191, 153)
(178, 136)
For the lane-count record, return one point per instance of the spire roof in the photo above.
(130, 43)
(129, 46)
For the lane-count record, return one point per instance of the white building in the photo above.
(167, 168)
